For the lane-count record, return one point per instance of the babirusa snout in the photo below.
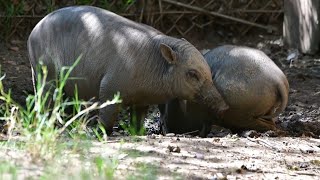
(213, 99)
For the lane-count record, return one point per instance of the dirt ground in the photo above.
(158, 157)
(229, 156)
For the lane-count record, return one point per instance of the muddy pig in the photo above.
(119, 55)
(255, 89)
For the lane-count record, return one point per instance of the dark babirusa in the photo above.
(255, 89)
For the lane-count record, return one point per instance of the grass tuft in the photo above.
(44, 121)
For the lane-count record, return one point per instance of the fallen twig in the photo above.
(195, 16)
(262, 142)
(257, 11)
(181, 15)
(191, 132)
(14, 29)
(221, 15)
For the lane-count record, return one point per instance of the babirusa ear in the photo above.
(168, 53)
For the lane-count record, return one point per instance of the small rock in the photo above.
(175, 149)
(218, 176)
(251, 134)
(260, 45)
(216, 140)
(199, 156)
(292, 56)
(152, 136)
(304, 165)
(244, 167)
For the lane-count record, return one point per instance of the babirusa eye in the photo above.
(193, 74)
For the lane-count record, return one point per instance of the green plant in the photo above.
(106, 167)
(100, 137)
(144, 171)
(43, 120)
(8, 171)
(134, 127)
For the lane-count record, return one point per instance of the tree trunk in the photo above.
(301, 28)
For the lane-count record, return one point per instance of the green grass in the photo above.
(131, 128)
(8, 170)
(43, 129)
(145, 171)
(43, 134)
(43, 120)
(106, 167)
(49, 138)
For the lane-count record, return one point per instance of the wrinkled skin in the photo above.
(255, 89)
(119, 55)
